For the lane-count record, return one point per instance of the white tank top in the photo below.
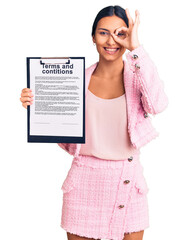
(106, 128)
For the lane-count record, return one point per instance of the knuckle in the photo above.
(25, 89)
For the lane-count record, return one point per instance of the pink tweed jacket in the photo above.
(144, 95)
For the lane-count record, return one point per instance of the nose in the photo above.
(110, 40)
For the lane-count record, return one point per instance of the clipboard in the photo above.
(65, 129)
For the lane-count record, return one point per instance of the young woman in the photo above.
(105, 192)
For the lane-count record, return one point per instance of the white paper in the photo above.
(57, 109)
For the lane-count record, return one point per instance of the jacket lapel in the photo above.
(88, 73)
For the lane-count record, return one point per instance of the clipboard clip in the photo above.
(68, 62)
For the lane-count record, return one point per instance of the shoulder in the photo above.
(91, 67)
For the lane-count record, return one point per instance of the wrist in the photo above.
(134, 47)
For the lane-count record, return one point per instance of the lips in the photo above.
(111, 50)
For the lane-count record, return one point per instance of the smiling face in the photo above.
(106, 46)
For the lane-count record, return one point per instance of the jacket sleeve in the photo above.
(153, 97)
(68, 147)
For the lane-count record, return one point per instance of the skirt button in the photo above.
(126, 181)
(121, 206)
(130, 159)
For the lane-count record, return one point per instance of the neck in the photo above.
(109, 69)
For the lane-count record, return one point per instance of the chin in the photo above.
(111, 57)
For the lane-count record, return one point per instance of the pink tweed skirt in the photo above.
(104, 199)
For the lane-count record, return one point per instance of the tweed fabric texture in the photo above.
(104, 198)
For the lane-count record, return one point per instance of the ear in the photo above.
(93, 38)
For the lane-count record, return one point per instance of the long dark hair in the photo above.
(110, 11)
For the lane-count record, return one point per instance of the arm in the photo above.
(68, 147)
(153, 97)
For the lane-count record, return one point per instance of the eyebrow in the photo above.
(104, 29)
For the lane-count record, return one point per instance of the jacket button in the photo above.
(137, 66)
(126, 181)
(135, 56)
(145, 114)
(130, 158)
(121, 206)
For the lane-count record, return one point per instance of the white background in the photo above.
(31, 174)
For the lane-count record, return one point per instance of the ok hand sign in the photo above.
(130, 35)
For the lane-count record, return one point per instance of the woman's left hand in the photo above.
(129, 37)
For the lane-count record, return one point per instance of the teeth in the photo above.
(111, 50)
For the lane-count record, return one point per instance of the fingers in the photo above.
(26, 104)
(137, 20)
(124, 29)
(120, 37)
(26, 97)
(26, 90)
(129, 17)
(116, 38)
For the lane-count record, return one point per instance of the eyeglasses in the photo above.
(106, 34)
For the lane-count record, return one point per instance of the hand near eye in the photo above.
(130, 35)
